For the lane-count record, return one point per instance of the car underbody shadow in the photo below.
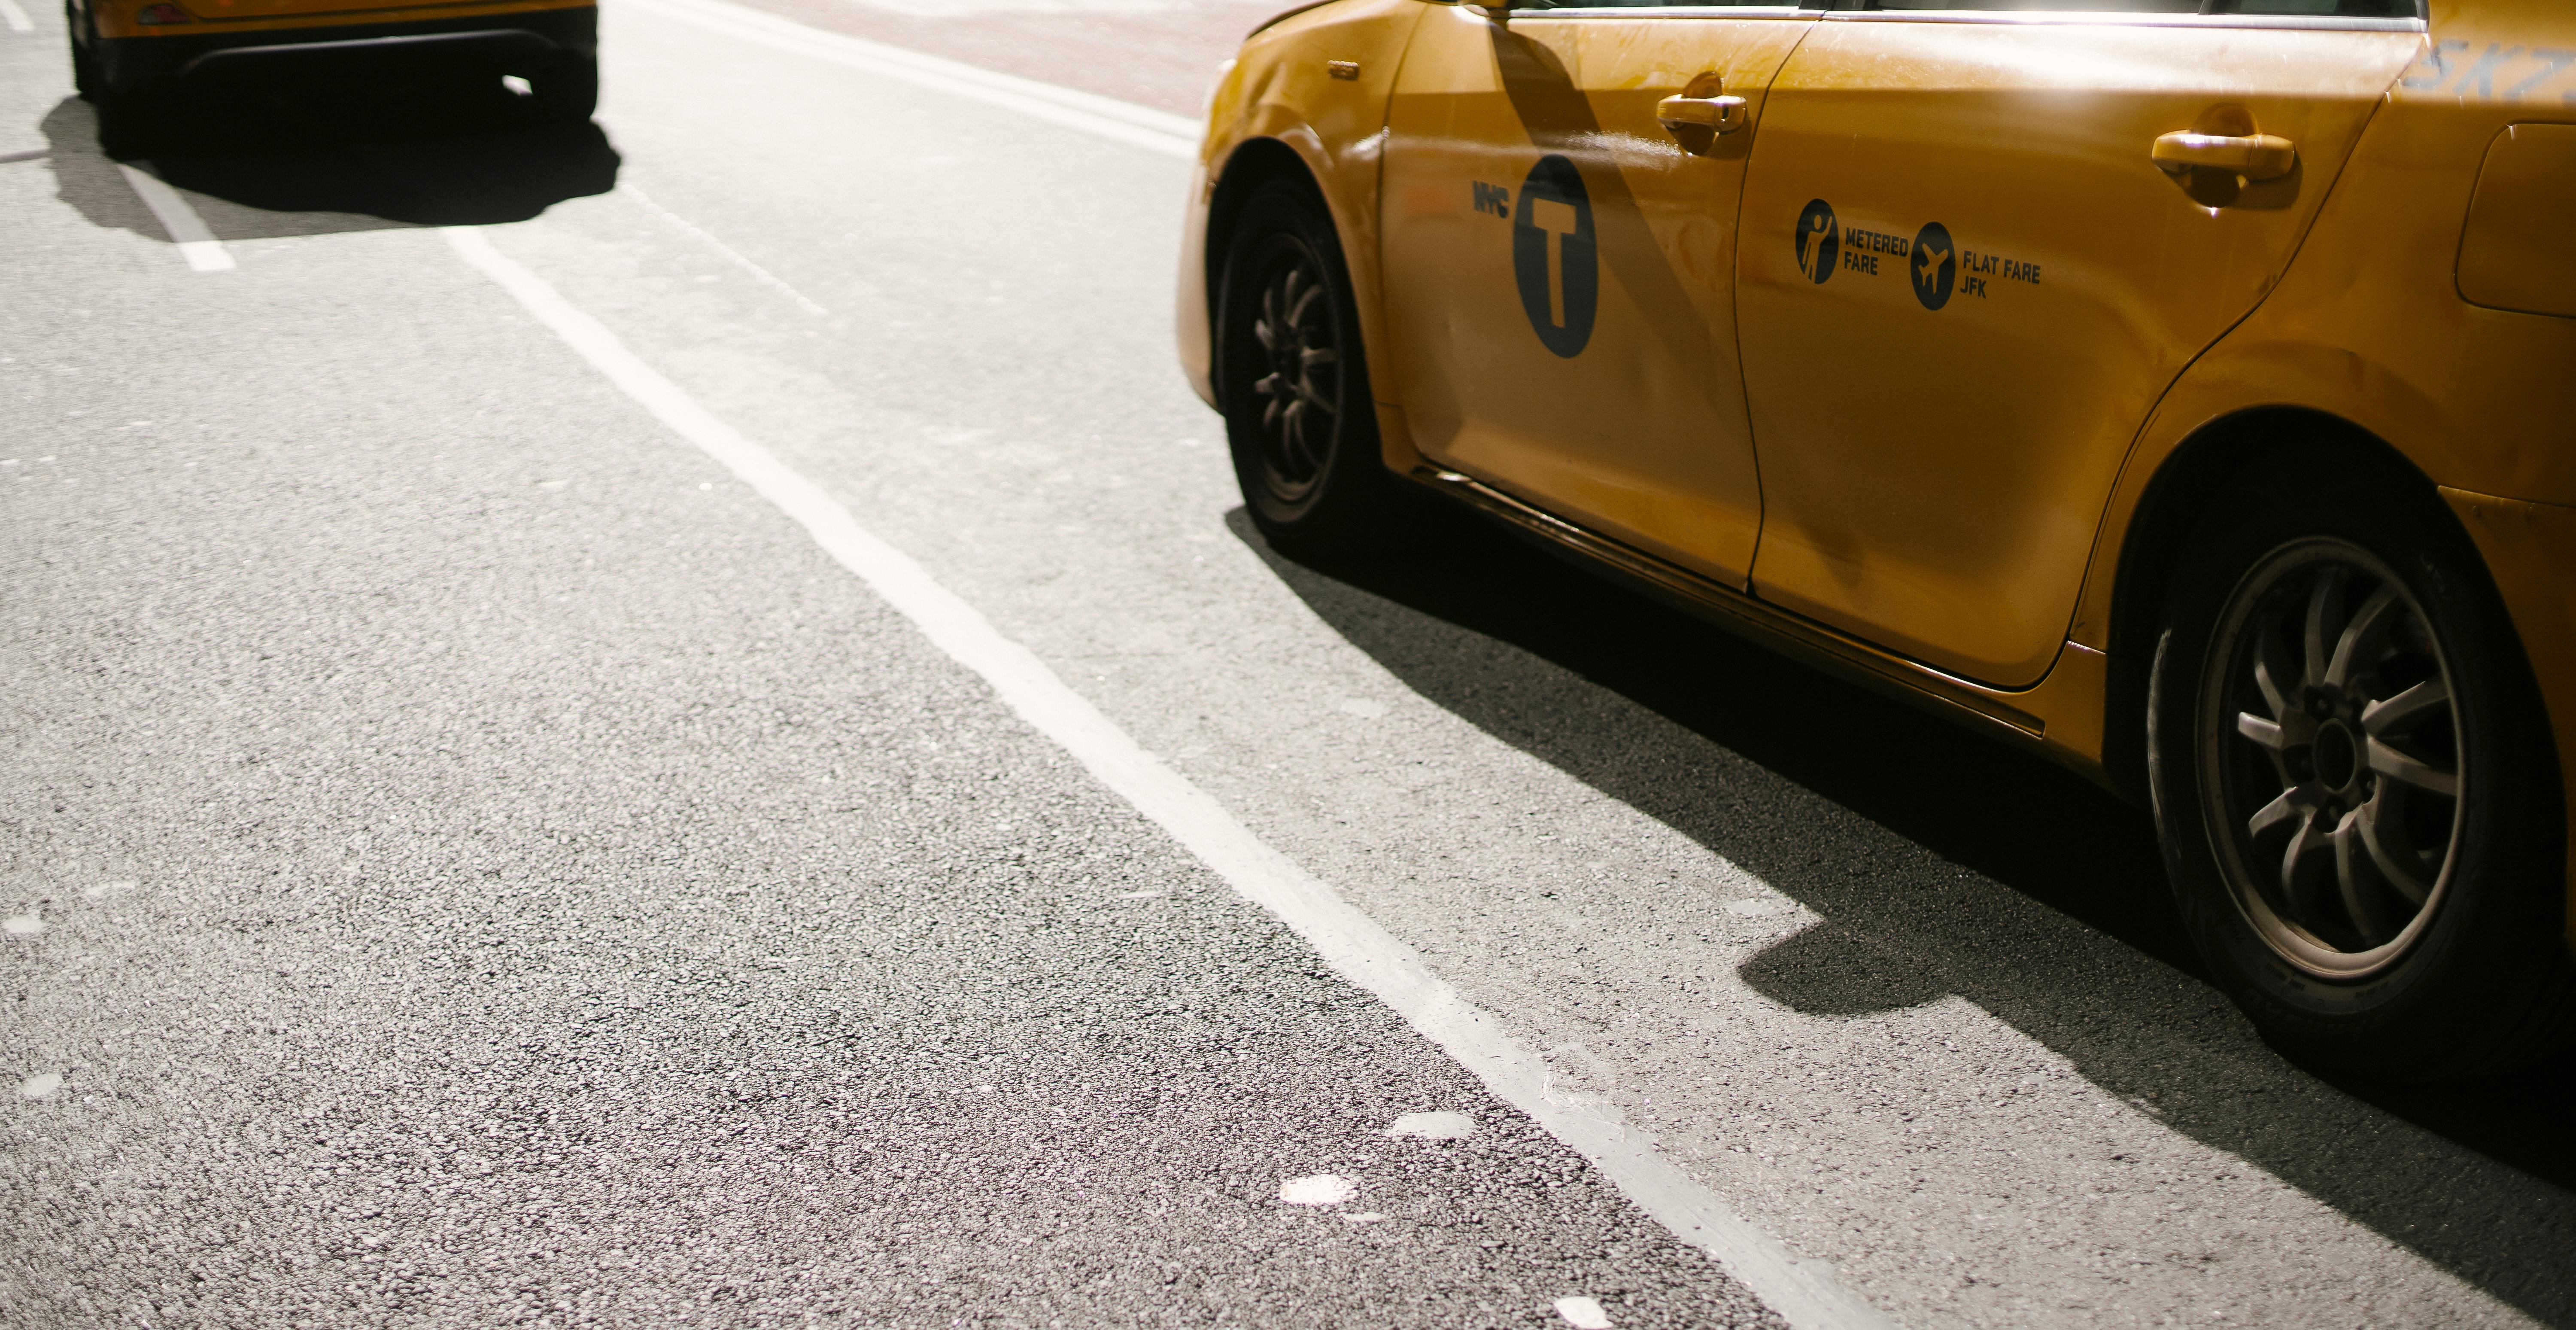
(1942, 863)
(305, 158)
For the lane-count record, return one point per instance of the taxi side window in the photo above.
(2136, 6)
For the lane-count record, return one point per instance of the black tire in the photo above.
(1291, 375)
(84, 64)
(2333, 658)
(129, 122)
(565, 91)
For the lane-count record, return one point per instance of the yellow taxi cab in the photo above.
(2183, 390)
(129, 57)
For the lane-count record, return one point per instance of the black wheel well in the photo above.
(2166, 518)
(1252, 164)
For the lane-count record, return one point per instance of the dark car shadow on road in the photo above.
(1866, 811)
(312, 160)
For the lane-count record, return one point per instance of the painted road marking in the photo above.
(15, 17)
(1433, 1126)
(684, 224)
(196, 244)
(1107, 117)
(1805, 1292)
(1321, 1189)
(1583, 1313)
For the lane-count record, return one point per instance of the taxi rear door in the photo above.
(1559, 264)
(1966, 278)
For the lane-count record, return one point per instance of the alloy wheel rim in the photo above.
(2333, 759)
(1299, 394)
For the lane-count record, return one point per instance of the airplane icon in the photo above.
(1928, 261)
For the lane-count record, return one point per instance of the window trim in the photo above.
(2109, 18)
(2116, 18)
(1668, 11)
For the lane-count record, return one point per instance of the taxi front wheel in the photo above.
(566, 90)
(2353, 783)
(1299, 418)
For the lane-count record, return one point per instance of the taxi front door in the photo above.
(1966, 279)
(1558, 263)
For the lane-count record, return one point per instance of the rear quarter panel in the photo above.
(2368, 325)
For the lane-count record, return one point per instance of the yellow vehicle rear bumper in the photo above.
(116, 18)
(499, 35)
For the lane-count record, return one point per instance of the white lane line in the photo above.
(1583, 1313)
(1806, 1293)
(196, 244)
(15, 17)
(1321, 1189)
(1107, 117)
(684, 224)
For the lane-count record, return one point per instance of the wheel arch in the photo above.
(1253, 163)
(2168, 512)
(1307, 95)
(1248, 166)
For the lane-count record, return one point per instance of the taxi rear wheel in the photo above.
(2358, 803)
(1299, 417)
(129, 120)
(84, 64)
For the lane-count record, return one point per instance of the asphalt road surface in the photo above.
(476, 851)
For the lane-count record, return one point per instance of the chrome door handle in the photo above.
(1723, 114)
(2253, 156)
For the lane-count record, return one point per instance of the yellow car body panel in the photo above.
(1945, 495)
(1936, 450)
(1488, 113)
(115, 18)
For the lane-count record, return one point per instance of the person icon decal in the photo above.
(1819, 241)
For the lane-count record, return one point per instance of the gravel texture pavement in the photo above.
(466, 860)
